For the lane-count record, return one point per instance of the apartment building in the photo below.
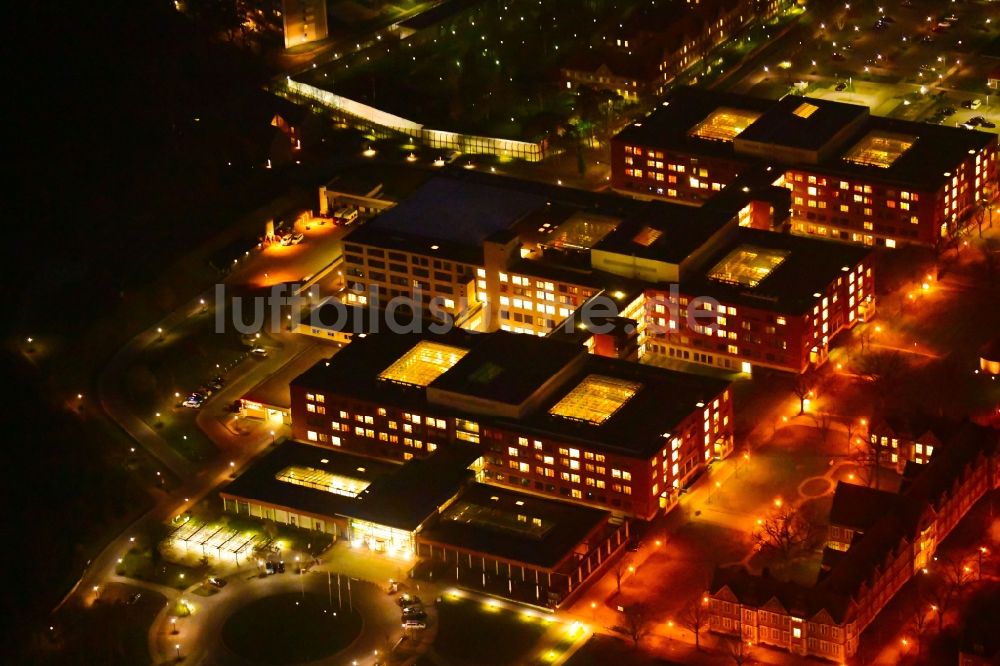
(549, 418)
(852, 176)
(878, 541)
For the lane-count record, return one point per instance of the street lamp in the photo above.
(173, 622)
(178, 648)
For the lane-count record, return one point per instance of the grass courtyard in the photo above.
(290, 629)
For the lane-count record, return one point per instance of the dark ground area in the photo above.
(135, 138)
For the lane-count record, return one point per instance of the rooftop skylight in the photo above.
(747, 265)
(595, 399)
(423, 363)
(724, 124)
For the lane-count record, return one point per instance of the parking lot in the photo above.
(909, 59)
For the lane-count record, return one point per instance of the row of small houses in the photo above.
(878, 541)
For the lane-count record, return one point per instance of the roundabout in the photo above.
(290, 628)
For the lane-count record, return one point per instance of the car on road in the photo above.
(134, 598)
(194, 401)
(406, 599)
(215, 581)
(840, 87)
(414, 624)
(259, 352)
(836, 55)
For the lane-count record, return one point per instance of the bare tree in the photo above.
(786, 532)
(802, 389)
(621, 568)
(695, 617)
(884, 372)
(948, 576)
(852, 426)
(736, 649)
(824, 423)
(868, 459)
(637, 622)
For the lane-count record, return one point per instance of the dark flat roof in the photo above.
(258, 482)
(683, 229)
(400, 496)
(781, 126)
(507, 367)
(809, 268)
(665, 399)
(466, 525)
(411, 494)
(461, 212)
(937, 149)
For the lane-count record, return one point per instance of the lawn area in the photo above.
(138, 564)
(473, 633)
(603, 650)
(290, 629)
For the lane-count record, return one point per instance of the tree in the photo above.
(853, 427)
(636, 622)
(621, 567)
(824, 422)
(695, 617)
(803, 389)
(884, 371)
(786, 532)
(949, 575)
(736, 649)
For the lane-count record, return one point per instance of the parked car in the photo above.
(296, 238)
(217, 582)
(840, 87)
(133, 598)
(415, 613)
(414, 624)
(988, 124)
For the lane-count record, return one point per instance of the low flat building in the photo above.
(548, 417)
(496, 540)
(519, 546)
(853, 176)
(374, 504)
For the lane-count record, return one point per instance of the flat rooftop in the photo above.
(514, 526)
(267, 479)
(803, 122)
(331, 483)
(449, 216)
(807, 123)
(768, 270)
(639, 402)
(507, 367)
